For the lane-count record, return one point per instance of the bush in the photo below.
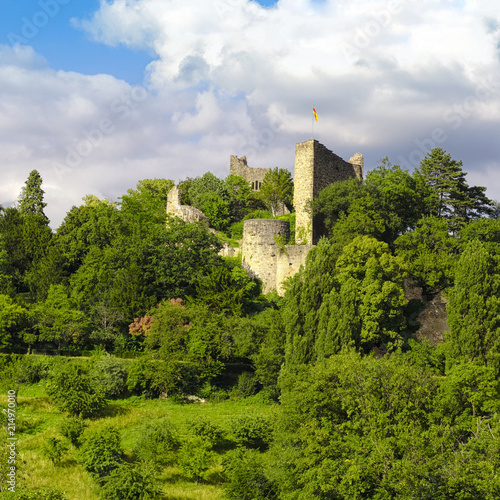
(111, 374)
(126, 482)
(247, 385)
(246, 479)
(196, 458)
(19, 369)
(252, 432)
(156, 442)
(74, 391)
(258, 214)
(210, 433)
(54, 449)
(72, 428)
(237, 230)
(139, 379)
(101, 451)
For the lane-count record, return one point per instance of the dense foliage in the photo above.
(366, 409)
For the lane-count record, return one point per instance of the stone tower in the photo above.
(315, 168)
(254, 176)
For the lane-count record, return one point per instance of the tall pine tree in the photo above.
(451, 197)
(31, 198)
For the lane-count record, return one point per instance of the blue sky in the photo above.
(98, 95)
(70, 49)
(66, 47)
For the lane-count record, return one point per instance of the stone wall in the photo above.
(315, 168)
(254, 176)
(272, 263)
(289, 260)
(260, 251)
(184, 212)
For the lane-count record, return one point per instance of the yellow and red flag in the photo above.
(315, 114)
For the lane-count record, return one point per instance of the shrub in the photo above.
(101, 451)
(247, 385)
(54, 449)
(237, 230)
(156, 442)
(111, 374)
(252, 432)
(72, 428)
(74, 391)
(246, 478)
(209, 432)
(126, 482)
(139, 380)
(196, 458)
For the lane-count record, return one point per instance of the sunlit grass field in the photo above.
(38, 419)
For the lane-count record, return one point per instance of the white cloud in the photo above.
(232, 77)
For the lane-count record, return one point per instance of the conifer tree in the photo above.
(31, 198)
(451, 197)
(474, 308)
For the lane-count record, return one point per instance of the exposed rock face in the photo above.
(430, 317)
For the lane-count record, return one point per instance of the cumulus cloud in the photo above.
(388, 78)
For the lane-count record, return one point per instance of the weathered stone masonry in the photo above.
(263, 255)
(254, 176)
(315, 168)
(184, 212)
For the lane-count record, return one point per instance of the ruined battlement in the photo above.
(315, 168)
(184, 212)
(254, 176)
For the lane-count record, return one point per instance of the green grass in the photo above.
(38, 419)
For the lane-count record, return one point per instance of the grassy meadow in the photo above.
(38, 419)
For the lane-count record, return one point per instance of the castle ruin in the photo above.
(255, 176)
(176, 209)
(315, 168)
(264, 251)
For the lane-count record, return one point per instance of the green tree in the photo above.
(474, 308)
(195, 458)
(227, 290)
(334, 202)
(58, 321)
(240, 192)
(156, 443)
(13, 320)
(356, 427)
(354, 297)
(6, 279)
(25, 238)
(31, 197)
(101, 451)
(207, 183)
(428, 254)
(450, 196)
(277, 189)
(148, 200)
(72, 428)
(128, 481)
(246, 475)
(215, 208)
(74, 391)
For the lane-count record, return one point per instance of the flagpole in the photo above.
(312, 125)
